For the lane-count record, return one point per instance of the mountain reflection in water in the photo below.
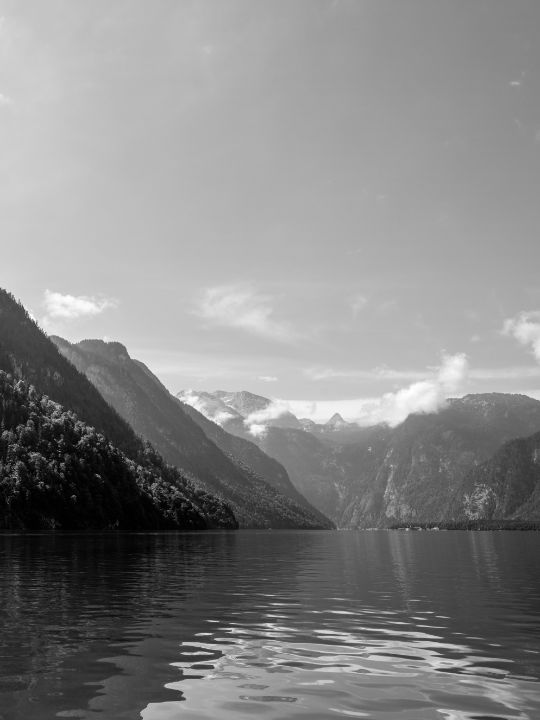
(286, 624)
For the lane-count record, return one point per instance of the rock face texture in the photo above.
(507, 486)
(418, 471)
(260, 496)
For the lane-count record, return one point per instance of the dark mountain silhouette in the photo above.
(61, 440)
(256, 487)
(380, 476)
(505, 487)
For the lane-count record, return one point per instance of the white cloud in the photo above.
(212, 409)
(239, 306)
(257, 422)
(257, 430)
(268, 378)
(72, 307)
(5, 100)
(427, 395)
(423, 396)
(525, 328)
(274, 410)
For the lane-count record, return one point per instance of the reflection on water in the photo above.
(283, 624)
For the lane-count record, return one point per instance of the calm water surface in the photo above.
(315, 625)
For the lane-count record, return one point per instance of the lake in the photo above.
(319, 625)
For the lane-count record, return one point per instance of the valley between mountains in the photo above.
(91, 439)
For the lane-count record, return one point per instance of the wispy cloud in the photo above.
(73, 307)
(514, 372)
(257, 422)
(242, 307)
(5, 100)
(377, 373)
(213, 409)
(525, 328)
(267, 378)
(423, 396)
(358, 303)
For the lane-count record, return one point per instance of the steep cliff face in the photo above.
(416, 470)
(505, 487)
(251, 457)
(141, 399)
(67, 458)
(379, 476)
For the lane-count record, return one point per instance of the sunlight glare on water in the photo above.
(284, 624)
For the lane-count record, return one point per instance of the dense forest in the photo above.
(27, 353)
(68, 460)
(256, 487)
(57, 472)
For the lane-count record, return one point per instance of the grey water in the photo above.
(319, 625)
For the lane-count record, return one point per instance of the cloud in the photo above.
(73, 307)
(212, 409)
(267, 378)
(426, 395)
(238, 306)
(256, 422)
(358, 303)
(5, 100)
(274, 410)
(525, 328)
(378, 373)
(383, 373)
(517, 372)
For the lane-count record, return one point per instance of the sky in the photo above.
(313, 200)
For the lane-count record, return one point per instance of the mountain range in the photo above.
(255, 486)
(91, 439)
(68, 461)
(421, 471)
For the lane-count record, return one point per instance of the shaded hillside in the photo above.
(251, 456)
(141, 399)
(26, 353)
(422, 462)
(381, 476)
(505, 487)
(58, 473)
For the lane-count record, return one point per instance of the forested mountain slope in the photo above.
(142, 400)
(505, 487)
(58, 473)
(382, 475)
(82, 419)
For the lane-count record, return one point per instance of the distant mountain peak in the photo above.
(336, 421)
(112, 350)
(243, 401)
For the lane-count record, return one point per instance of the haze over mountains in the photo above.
(92, 439)
(256, 487)
(422, 470)
(68, 461)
